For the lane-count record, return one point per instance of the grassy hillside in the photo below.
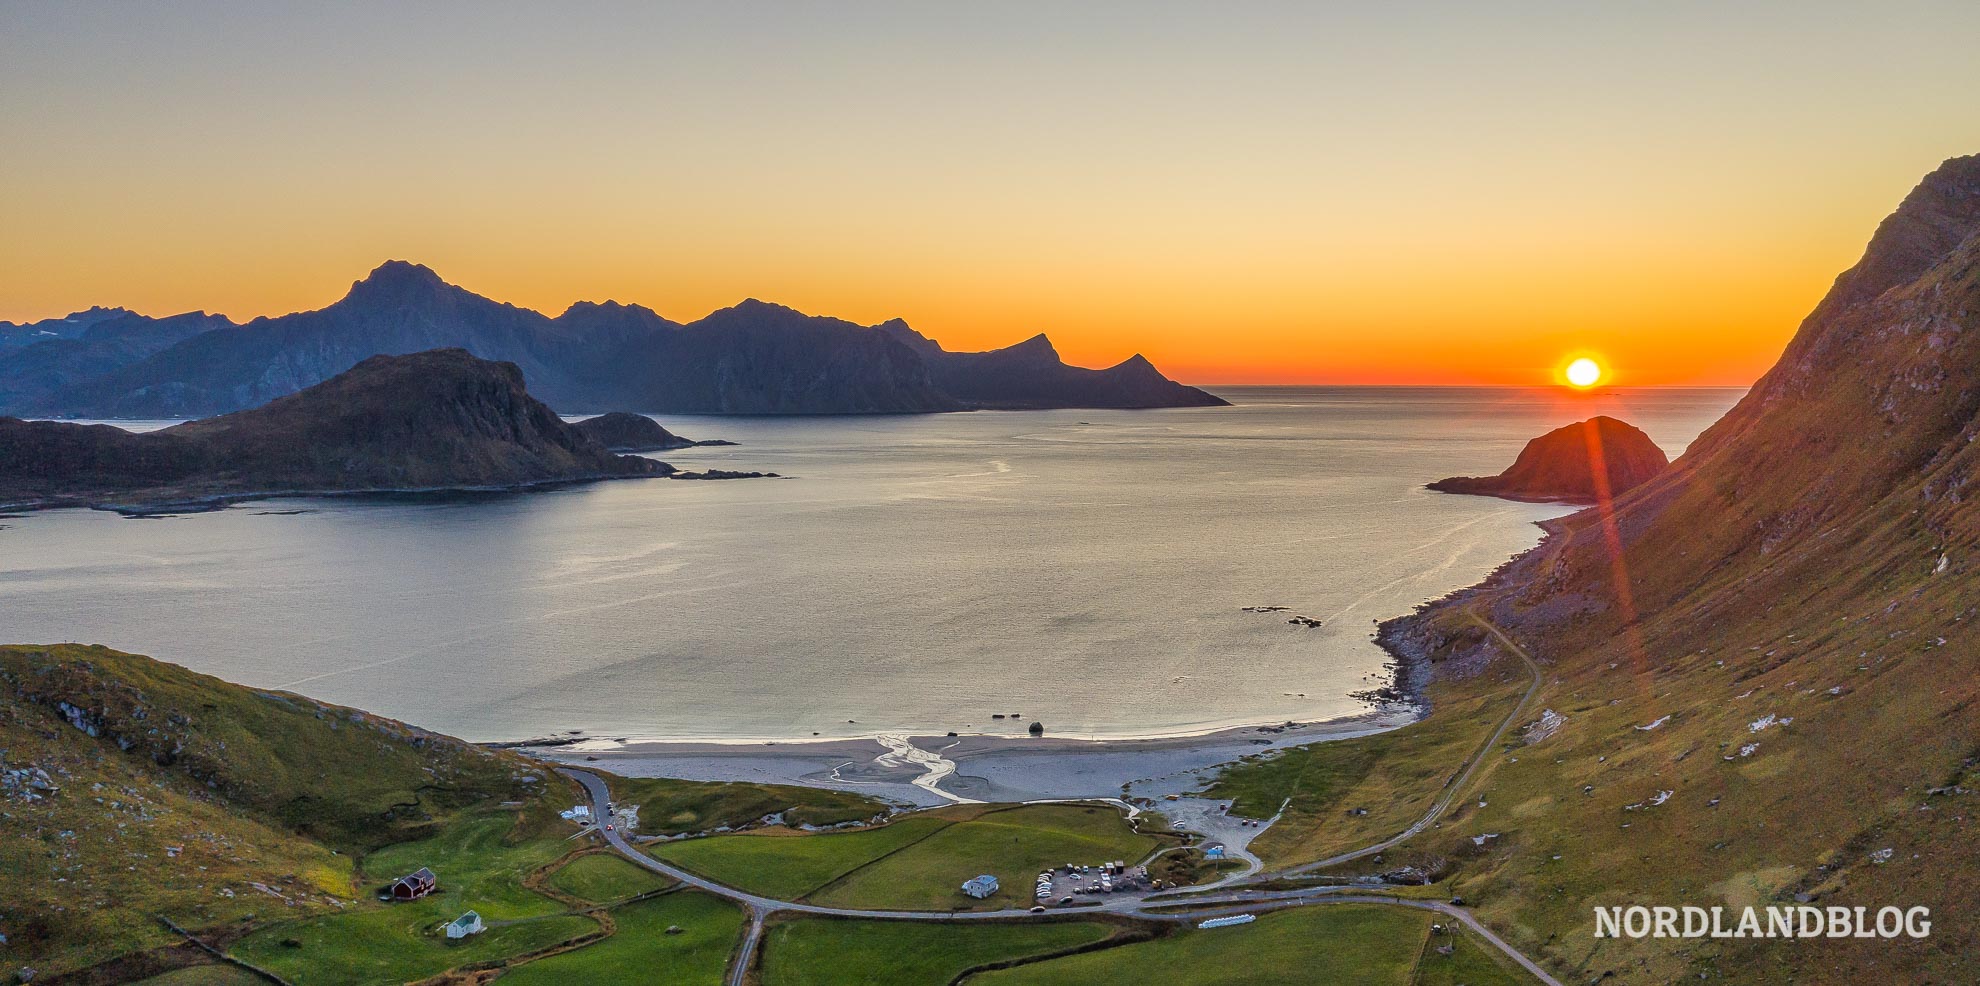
(1764, 657)
(136, 788)
(132, 789)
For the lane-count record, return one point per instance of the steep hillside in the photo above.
(440, 419)
(1764, 656)
(131, 788)
(1584, 462)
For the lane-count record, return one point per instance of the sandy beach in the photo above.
(970, 767)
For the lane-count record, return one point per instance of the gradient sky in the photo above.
(1424, 193)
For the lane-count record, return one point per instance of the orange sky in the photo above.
(1440, 194)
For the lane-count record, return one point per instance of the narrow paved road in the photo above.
(1457, 786)
(1235, 901)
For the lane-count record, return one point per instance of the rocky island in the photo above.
(435, 420)
(624, 431)
(1577, 463)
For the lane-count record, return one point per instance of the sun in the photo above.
(1584, 373)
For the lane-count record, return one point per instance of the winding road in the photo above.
(1235, 900)
(1463, 779)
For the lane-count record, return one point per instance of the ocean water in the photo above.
(920, 573)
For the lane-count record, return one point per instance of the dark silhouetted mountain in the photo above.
(434, 420)
(1561, 465)
(754, 358)
(67, 327)
(623, 431)
(43, 371)
(1030, 375)
(400, 308)
(760, 358)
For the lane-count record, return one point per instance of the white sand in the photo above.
(980, 768)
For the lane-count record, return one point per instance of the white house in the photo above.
(578, 813)
(980, 887)
(465, 925)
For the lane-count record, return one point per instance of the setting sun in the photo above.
(1584, 372)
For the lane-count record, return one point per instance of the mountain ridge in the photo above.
(754, 357)
(1761, 662)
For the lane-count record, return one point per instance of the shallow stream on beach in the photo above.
(917, 575)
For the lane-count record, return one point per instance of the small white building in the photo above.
(578, 813)
(980, 887)
(1226, 922)
(465, 925)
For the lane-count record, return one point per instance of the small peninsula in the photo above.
(624, 431)
(436, 420)
(1571, 464)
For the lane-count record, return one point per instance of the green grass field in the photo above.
(787, 865)
(603, 878)
(641, 951)
(205, 975)
(1367, 945)
(1395, 776)
(919, 861)
(1014, 844)
(1471, 963)
(670, 807)
(481, 863)
(904, 953)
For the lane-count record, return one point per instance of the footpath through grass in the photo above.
(641, 950)
(1392, 777)
(1013, 844)
(1367, 945)
(205, 975)
(905, 953)
(787, 865)
(1472, 962)
(670, 807)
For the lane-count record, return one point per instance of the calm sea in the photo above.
(1084, 568)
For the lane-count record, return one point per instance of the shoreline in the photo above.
(968, 767)
(208, 503)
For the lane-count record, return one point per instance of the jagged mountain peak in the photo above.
(1038, 345)
(98, 313)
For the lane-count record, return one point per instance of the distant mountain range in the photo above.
(753, 358)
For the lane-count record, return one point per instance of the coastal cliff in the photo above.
(432, 420)
(1578, 463)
